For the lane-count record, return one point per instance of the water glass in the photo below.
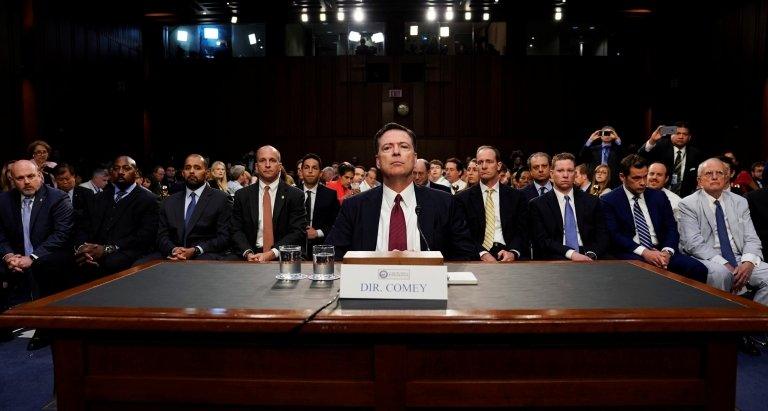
(323, 263)
(290, 263)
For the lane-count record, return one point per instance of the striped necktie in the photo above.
(490, 220)
(641, 226)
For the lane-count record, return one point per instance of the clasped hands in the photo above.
(89, 254)
(17, 263)
(741, 274)
(656, 257)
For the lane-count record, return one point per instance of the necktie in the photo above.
(569, 226)
(308, 207)
(641, 227)
(120, 195)
(268, 235)
(190, 208)
(26, 214)
(490, 220)
(722, 234)
(606, 152)
(397, 237)
(678, 172)
(542, 191)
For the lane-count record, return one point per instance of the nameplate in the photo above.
(395, 282)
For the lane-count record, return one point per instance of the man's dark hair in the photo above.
(345, 168)
(459, 164)
(631, 161)
(393, 126)
(360, 166)
(538, 154)
(583, 169)
(756, 165)
(312, 156)
(61, 168)
(205, 160)
(561, 157)
(495, 150)
(684, 124)
(158, 168)
(436, 162)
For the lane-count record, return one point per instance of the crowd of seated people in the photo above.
(667, 205)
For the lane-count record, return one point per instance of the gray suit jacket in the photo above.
(697, 225)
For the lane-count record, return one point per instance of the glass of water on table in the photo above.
(323, 263)
(290, 263)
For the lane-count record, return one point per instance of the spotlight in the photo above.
(304, 17)
(233, 20)
(558, 13)
(354, 36)
(449, 13)
(467, 15)
(444, 31)
(340, 15)
(322, 16)
(431, 14)
(211, 33)
(358, 15)
(252, 39)
(377, 37)
(414, 30)
(182, 36)
(486, 16)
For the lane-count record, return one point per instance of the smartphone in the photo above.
(668, 130)
(605, 133)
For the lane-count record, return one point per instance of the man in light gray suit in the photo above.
(716, 229)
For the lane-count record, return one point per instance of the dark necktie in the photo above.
(120, 195)
(542, 191)
(190, 208)
(722, 234)
(677, 173)
(308, 207)
(397, 237)
(641, 226)
(569, 225)
(26, 215)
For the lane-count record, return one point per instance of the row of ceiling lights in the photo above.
(359, 15)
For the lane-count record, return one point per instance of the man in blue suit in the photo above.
(400, 215)
(35, 225)
(642, 224)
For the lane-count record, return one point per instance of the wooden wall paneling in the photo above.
(327, 88)
(341, 101)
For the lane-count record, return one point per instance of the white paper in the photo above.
(462, 278)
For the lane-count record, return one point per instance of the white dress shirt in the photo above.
(561, 203)
(647, 215)
(460, 185)
(408, 204)
(719, 258)
(127, 191)
(313, 190)
(272, 194)
(537, 186)
(674, 201)
(89, 185)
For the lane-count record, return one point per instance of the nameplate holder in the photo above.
(394, 282)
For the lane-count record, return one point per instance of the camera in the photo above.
(605, 133)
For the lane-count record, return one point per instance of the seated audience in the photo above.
(99, 179)
(421, 176)
(657, 180)
(343, 186)
(320, 203)
(371, 180)
(472, 173)
(538, 165)
(603, 147)
(238, 178)
(582, 179)
(522, 178)
(454, 169)
(436, 173)
(218, 179)
(601, 181)
(39, 152)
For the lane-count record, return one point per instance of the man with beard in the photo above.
(320, 203)
(194, 223)
(121, 224)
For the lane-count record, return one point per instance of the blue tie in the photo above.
(26, 214)
(606, 152)
(190, 208)
(640, 225)
(571, 233)
(722, 234)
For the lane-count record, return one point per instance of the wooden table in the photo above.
(190, 335)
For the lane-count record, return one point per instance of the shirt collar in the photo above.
(485, 188)
(561, 197)
(630, 196)
(538, 186)
(408, 194)
(711, 199)
(272, 186)
(198, 192)
(127, 190)
(313, 189)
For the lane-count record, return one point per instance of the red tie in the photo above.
(397, 238)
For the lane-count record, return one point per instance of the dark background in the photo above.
(92, 79)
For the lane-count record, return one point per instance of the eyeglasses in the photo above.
(715, 174)
(40, 152)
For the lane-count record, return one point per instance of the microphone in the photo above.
(418, 227)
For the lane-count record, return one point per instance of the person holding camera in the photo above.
(603, 147)
(681, 159)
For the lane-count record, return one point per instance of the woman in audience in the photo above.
(601, 180)
(39, 150)
(6, 181)
(522, 178)
(218, 176)
(473, 174)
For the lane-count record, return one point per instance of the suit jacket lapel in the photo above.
(733, 222)
(708, 213)
(371, 214)
(279, 203)
(626, 210)
(504, 204)
(554, 211)
(199, 207)
(16, 201)
(578, 204)
(478, 202)
(37, 205)
(424, 217)
(255, 205)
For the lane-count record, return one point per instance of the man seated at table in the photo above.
(194, 223)
(567, 223)
(400, 215)
(320, 203)
(268, 214)
(642, 224)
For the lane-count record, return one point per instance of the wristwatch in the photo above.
(109, 249)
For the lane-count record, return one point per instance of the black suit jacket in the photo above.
(50, 222)
(546, 226)
(130, 224)
(208, 227)
(436, 186)
(289, 220)
(442, 222)
(664, 152)
(323, 214)
(758, 208)
(513, 212)
(530, 192)
(592, 156)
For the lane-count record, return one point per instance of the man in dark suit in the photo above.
(268, 214)
(680, 158)
(421, 176)
(80, 197)
(121, 225)
(320, 203)
(567, 223)
(642, 224)
(35, 225)
(539, 165)
(393, 215)
(194, 223)
(758, 207)
(496, 213)
(603, 147)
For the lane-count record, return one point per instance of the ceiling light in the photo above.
(354, 36)
(322, 16)
(233, 20)
(486, 16)
(304, 17)
(340, 15)
(468, 15)
(358, 15)
(252, 39)
(211, 33)
(377, 37)
(414, 30)
(449, 13)
(182, 36)
(558, 13)
(444, 31)
(431, 14)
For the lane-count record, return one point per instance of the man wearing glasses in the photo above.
(716, 229)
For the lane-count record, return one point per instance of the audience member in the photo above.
(538, 164)
(472, 173)
(343, 186)
(218, 174)
(522, 178)
(454, 168)
(39, 152)
(603, 147)
(238, 178)
(320, 203)
(601, 181)
(371, 180)
(79, 197)
(657, 180)
(582, 179)
(677, 156)
(6, 179)
(436, 173)
(327, 175)
(421, 176)
(157, 182)
(99, 179)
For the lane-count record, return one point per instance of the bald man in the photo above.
(268, 214)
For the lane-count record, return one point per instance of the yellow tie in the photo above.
(490, 220)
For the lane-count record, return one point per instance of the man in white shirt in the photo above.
(371, 180)
(436, 173)
(454, 169)
(98, 180)
(657, 180)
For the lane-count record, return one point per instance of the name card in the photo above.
(395, 282)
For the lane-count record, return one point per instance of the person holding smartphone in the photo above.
(681, 159)
(603, 147)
